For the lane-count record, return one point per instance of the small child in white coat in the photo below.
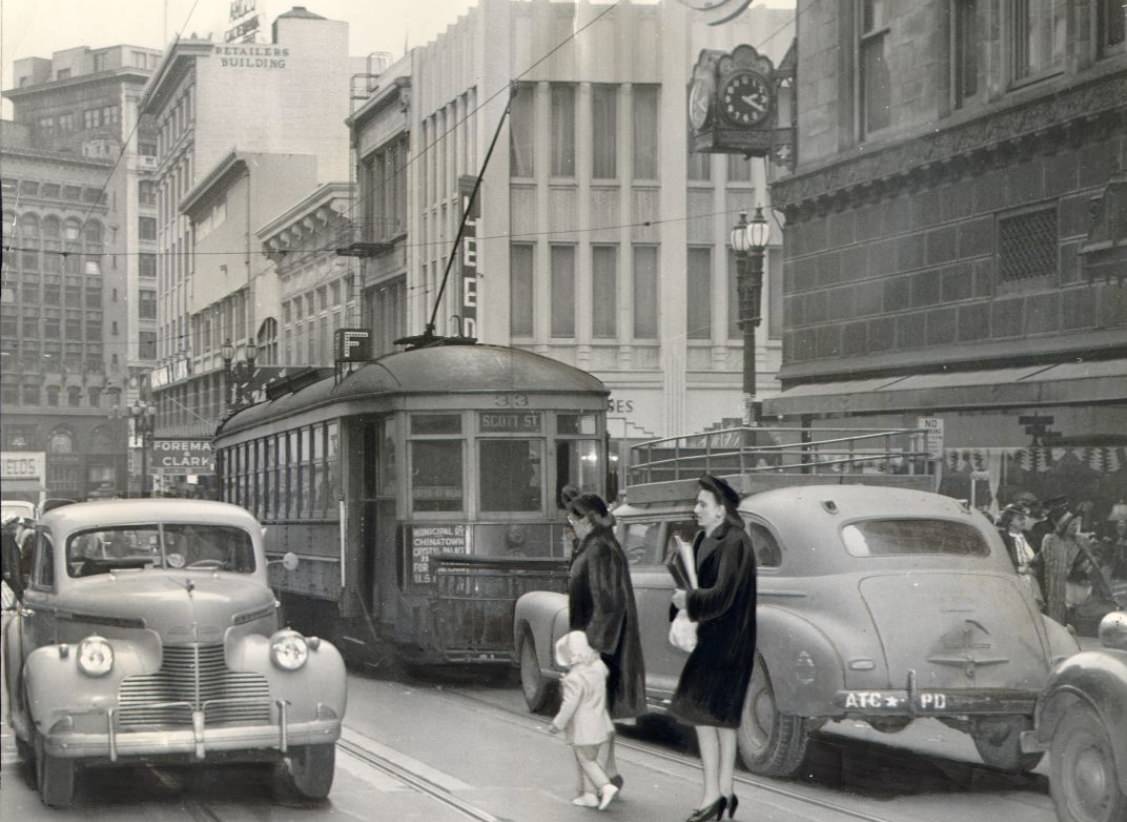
(584, 717)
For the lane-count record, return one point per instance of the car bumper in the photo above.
(925, 702)
(63, 740)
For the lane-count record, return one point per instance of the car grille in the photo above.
(193, 674)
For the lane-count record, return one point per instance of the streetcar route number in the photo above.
(511, 400)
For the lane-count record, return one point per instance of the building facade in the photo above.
(79, 269)
(316, 286)
(244, 131)
(601, 240)
(951, 156)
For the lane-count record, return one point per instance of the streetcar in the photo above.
(420, 492)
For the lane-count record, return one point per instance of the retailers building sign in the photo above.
(250, 56)
(183, 456)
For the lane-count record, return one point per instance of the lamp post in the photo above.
(142, 421)
(236, 373)
(749, 242)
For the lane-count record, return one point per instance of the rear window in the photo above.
(895, 537)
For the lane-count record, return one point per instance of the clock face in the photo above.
(745, 99)
(700, 104)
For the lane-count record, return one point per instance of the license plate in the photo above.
(893, 701)
(874, 700)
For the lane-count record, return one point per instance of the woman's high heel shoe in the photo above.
(713, 811)
(733, 803)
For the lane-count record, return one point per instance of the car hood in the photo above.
(180, 607)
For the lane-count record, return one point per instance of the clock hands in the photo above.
(756, 101)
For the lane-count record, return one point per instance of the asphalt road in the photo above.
(453, 748)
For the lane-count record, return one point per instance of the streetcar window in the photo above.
(423, 424)
(578, 463)
(293, 493)
(436, 475)
(308, 492)
(387, 472)
(317, 463)
(576, 424)
(333, 482)
(270, 486)
(511, 475)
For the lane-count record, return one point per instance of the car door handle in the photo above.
(27, 612)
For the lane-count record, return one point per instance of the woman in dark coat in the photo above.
(714, 682)
(601, 604)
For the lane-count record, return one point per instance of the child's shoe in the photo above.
(608, 793)
(586, 800)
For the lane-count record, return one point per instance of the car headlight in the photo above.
(288, 650)
(95, 656)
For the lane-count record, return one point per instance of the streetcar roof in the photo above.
(440, 369)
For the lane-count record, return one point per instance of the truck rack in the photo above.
(757, 459)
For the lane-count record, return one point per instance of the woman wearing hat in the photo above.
(714, 682)
(601, 604)
(1059, 553)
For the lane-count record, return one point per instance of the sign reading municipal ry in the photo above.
(183, 457)
(427, 540)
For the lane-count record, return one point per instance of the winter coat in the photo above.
(601, 603)
(583, 714)
(715, 678)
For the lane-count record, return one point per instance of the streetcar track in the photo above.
(526, 721)
(414, 780)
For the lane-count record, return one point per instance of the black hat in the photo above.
(725, 494)
(592, 508)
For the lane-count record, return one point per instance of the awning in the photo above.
(1062, 384)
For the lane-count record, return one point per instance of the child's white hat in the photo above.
(573, 647)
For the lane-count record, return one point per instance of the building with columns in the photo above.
(244, 131)
(602, 241)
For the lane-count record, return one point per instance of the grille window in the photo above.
(1027, 245)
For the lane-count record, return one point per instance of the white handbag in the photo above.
(683, 632)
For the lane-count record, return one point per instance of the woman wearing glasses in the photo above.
(601, 604)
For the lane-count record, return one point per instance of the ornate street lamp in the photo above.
(142, 422)
(237, 372)
(749, 242)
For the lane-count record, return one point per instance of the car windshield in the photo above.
(187, 546)
(889, 537)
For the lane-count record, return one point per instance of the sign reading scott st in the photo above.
(183, 456)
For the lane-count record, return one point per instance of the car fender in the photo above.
(56, 686)
(805, 669)
(1062, 644)
(536, 612)
(1099, 679)
(318, 686)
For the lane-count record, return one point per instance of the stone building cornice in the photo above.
(1037, 125)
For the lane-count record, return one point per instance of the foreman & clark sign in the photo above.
(183, 456)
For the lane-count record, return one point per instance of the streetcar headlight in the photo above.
(95, 656)
(288, 650)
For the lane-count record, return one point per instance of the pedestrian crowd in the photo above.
(1073, 574)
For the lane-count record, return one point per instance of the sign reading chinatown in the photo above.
(182, 456)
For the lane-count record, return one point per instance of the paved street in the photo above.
(445, 749)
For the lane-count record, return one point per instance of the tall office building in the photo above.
(79, 294)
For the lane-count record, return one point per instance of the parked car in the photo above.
(1082, 722)
(21, 509)
(876, 603)
(146, 631)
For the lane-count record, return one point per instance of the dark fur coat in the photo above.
(601, 604)
(715, 678)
